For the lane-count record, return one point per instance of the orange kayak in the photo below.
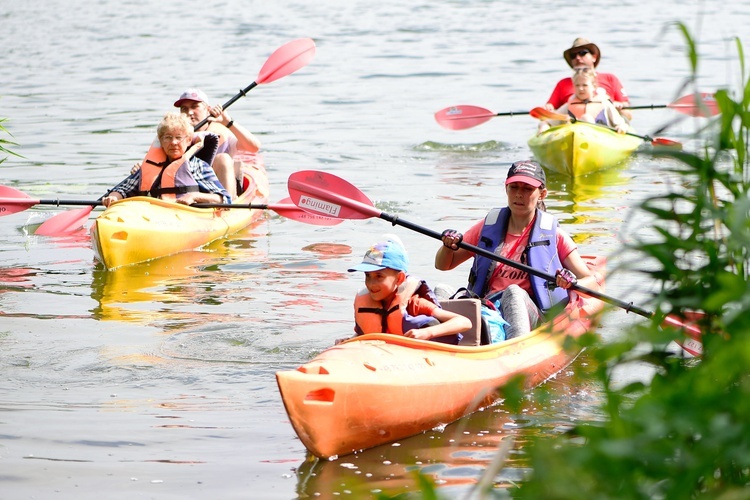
(379, 388)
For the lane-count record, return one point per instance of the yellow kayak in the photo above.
(139, 229)
(581, 148)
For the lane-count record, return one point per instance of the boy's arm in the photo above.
(450, 323)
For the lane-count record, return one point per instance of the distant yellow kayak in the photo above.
(580, 148)
(139, 229)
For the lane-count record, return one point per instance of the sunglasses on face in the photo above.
(580, 53)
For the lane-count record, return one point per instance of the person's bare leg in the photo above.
(223, 166)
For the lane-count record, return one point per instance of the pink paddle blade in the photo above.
(702, 104)
(692, 343)
(13, 201)
(287, 209)
(65, 223)
(462, 117)
(328, 195)
(286, 60)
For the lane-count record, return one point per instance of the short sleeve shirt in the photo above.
(512, 249)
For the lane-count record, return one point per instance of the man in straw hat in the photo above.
(585, 56)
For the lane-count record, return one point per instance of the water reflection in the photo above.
(14, 279)
(151, 292)
(581, 194)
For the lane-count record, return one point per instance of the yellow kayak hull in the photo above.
(580, 148)
(140, 229)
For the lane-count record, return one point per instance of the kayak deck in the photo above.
(580, 148)
(140, 228)
(378, 388)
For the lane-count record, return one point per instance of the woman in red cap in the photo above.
(525, 233)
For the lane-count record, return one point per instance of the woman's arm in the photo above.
(447, 259)
(584, 276)
(129, 186)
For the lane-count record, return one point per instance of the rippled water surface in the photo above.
(157, 380)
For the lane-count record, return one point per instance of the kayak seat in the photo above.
(472, 309)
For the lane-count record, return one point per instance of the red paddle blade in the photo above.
(668, 143)
(692, 343)
(65, 223)
(702, 104)
(328, 195)
(545, 114)
(286, 60)
(13, 201)
(287, 209)
(462, 117)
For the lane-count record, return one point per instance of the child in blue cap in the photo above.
(394, 302)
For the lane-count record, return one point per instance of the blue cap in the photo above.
(390, 254)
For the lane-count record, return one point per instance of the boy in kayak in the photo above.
(584, 54)
(522, 232)
(586, 106)
(178, 169)
(394, 302)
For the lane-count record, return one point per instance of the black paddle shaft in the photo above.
(57, 203)
(628, 306)
(231, 101)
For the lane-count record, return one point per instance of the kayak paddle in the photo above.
(701, 104)
(545, 114)
(285, 208)
(13, 200)
(326, 194)
(467, 116)
(282, 62)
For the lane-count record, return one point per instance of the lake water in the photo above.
(157, 380)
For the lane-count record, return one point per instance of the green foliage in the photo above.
(687, 433)
(5, 142)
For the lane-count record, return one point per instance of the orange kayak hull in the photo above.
(379, 388)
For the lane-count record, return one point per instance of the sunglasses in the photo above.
(580, 53)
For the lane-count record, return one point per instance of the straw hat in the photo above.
(582, 43)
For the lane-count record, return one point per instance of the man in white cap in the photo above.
(194, 103)
(581, 55)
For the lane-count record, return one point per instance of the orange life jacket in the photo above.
(166, 180)
(578, 108)
(375, 317)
